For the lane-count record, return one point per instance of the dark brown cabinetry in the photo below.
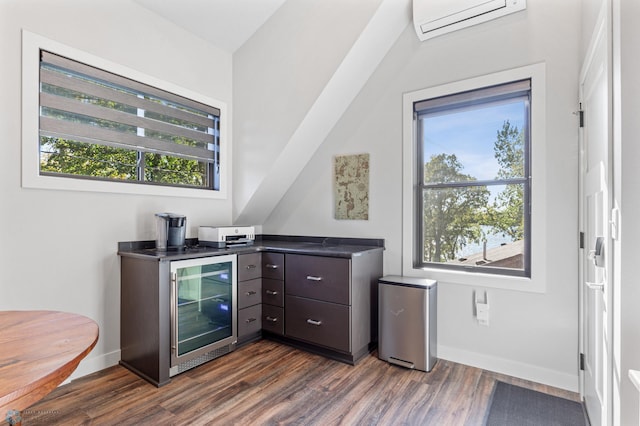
(318, 322)
(321, 278)
(260, 295)
(249, 297)
(145, 321)
(273, 265)
(273, 292)
(319, 294)
(322, 304)
(331, 303)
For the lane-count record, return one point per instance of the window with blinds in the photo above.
(98, 125)
(473, 191)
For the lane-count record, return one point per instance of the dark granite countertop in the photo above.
(317, 246)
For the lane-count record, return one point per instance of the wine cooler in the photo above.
(203, 310)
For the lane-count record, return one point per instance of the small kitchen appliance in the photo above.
(223, 236)
(204, 318)
(170, 231)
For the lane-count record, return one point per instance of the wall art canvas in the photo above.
(351, 187)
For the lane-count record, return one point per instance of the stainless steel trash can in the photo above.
(407, 321)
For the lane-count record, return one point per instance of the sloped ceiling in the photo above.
(226, 24)
(229, 24)
(265, 176)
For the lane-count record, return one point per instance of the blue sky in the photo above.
(470, 134)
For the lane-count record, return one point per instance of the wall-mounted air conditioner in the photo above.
(432, 18)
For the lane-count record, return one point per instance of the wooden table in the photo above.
(38, 351)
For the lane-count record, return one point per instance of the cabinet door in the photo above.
(322, 323)
(249, 266)
(273, 266)
(249, 293)
(273, 292)
(316, 277)
(273, 319)
(249, 320)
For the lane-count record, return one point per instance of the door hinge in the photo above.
(581, 240)
(580, 114)
(581, 362)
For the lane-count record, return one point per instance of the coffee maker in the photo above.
(170, 231)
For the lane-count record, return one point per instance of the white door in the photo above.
(595, 291)
(596, 313)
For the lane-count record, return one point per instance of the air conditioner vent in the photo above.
(432, 18)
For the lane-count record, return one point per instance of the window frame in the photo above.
(478, 97)
(535, 282)
(32, 44)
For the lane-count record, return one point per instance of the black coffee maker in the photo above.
(170, 231)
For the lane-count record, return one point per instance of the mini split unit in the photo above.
(432, 18)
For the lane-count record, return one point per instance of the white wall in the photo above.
(532, 335)
(58, 248)
(279, 73)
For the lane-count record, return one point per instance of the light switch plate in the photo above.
(482, 313)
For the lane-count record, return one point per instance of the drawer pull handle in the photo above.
(250, 320)
(314, 322)
(271, 319)
(251, 266)
(313, 278)
(270, 266)
(271, 292)
(250, 293)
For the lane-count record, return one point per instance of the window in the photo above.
(80, 133)
(472, 193)
(98, 125)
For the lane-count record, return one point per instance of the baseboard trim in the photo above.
(512, 368)
(92, 365)
(474, 359)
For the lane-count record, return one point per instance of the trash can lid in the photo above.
(408, 281)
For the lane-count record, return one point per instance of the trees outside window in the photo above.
(474, 182)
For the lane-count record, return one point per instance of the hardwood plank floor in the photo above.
(268, 383)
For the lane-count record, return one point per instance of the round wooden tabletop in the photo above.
(38, 351)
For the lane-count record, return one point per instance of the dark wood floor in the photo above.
(267, 383)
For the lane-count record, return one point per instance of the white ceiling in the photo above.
(227, 24)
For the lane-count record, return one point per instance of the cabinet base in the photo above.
(149, 379)
(249, 338)
(347, 358)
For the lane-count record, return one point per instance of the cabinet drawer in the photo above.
(249, 293)
(249, 320)
(273, 292)
(249, 266)
(322, 323)
(273, 266)
(316, 277)
(273, 319)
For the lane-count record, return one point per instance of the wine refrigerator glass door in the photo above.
(203, 311)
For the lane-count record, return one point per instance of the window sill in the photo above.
(477, 279)
(35, 181)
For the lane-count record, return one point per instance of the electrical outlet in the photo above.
(482, 313)
(482, 309)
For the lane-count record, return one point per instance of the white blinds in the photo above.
(484, 95)
(85, 104)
